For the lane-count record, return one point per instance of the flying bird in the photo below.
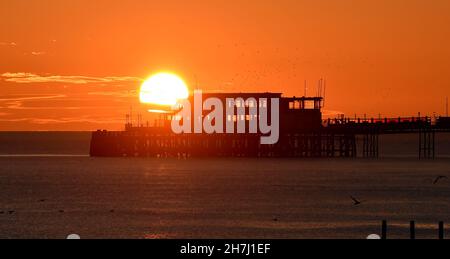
(356, 202)
(440, 177)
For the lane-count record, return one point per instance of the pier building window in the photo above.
(263, 104)
(309, 105)
(295, 105)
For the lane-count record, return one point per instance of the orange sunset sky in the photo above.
(78, 64)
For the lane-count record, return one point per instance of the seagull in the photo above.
(440, 177)
(355, 201)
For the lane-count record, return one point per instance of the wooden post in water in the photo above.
(384, 229)
(412, 228)
(434, 144)
(420, 143)
(441, 230)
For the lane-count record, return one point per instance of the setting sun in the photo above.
(163, 89)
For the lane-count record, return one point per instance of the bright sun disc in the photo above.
(163, 89)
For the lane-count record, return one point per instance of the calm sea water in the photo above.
(46, 195)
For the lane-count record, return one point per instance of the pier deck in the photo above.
(335, 138)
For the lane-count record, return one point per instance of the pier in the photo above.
(303, 133)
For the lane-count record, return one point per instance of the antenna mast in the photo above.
(131, 116)
(321, 87)
(446, 106)
(318, 88)
(305, 89)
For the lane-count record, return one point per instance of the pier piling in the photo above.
(412, 229)
(441, 230)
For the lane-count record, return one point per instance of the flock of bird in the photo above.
(281, 67)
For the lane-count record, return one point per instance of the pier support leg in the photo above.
(371, 145)
(427, 144)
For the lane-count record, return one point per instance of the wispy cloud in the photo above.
(14, 102)
(26, 78)
(37, 53)
(64, 120)
(27, 98)
(121, 94)
(10, 44)
(19, 105)
(59, 102)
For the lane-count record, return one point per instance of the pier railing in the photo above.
(382, 125)
(399, 120)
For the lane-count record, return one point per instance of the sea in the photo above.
(50, 188)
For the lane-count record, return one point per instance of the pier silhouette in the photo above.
(303, 133)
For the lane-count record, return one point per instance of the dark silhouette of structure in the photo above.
(303, 133)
